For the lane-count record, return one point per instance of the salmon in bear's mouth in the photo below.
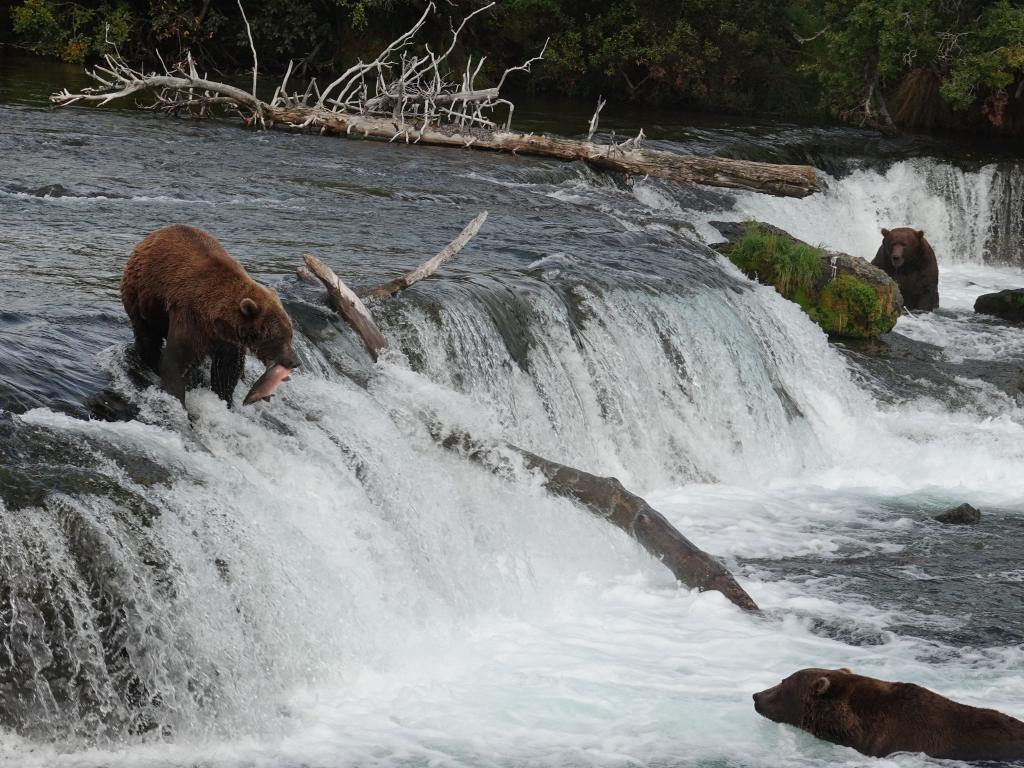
(267, 384)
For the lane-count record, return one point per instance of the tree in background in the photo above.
(929, 64)
(918, 64)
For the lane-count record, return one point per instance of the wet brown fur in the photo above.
(877, 717)
(181, 285)
(916, 270)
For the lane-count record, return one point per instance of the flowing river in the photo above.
(315, 582)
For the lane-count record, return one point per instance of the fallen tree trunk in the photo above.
(606, 498)
(603, 496)
(413, 98)
(770, 178)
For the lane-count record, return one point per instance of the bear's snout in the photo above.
(289, 360)
(761, 701)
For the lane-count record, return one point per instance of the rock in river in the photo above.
(1007, 305)
(965, 514)
(844, 294)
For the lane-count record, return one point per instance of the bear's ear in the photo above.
(819, 686)
(250, 308)
(920, 234)
(847, 670)
(885, 232)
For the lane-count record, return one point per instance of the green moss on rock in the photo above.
(849, 306)
(775, 260)
(846, 304)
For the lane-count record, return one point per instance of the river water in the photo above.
(313, 582)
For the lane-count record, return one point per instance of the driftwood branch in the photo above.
(349, 305)
(345, 302)
(592, 128)
(606, 498)
(409, 94)
(428, 268)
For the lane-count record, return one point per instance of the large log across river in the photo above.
(416, 101)
(770, 178)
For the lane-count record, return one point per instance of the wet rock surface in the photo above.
(964, 514)
(1007, 305)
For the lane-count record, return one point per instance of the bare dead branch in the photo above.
(593, 120)
(252, 45)
(428, 268)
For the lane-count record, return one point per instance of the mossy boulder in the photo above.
(1006, 305)
(844, 294)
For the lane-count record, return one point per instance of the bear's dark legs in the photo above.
(148, 345)
(226, 370)
(179, 356)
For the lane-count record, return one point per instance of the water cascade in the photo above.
(315, 582)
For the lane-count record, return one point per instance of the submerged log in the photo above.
(606, 498)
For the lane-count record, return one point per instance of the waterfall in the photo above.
(970, 216)
(314, 581)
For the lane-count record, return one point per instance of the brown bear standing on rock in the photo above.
(878, 718)
(908, 259)
(181, 285)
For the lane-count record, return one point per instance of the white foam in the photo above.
(390, 603)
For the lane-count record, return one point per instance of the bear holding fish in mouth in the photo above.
(180, 285)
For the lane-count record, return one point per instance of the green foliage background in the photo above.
(930, 64)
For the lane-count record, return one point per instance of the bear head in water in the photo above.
(878, 718)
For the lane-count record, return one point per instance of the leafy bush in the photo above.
(71, 31)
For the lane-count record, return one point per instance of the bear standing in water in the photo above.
(181, 285)
(878, 718)
(908, 259)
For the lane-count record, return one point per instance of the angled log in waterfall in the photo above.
(346, 303)
(413, 97)
(427, 268)
(608, 499)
